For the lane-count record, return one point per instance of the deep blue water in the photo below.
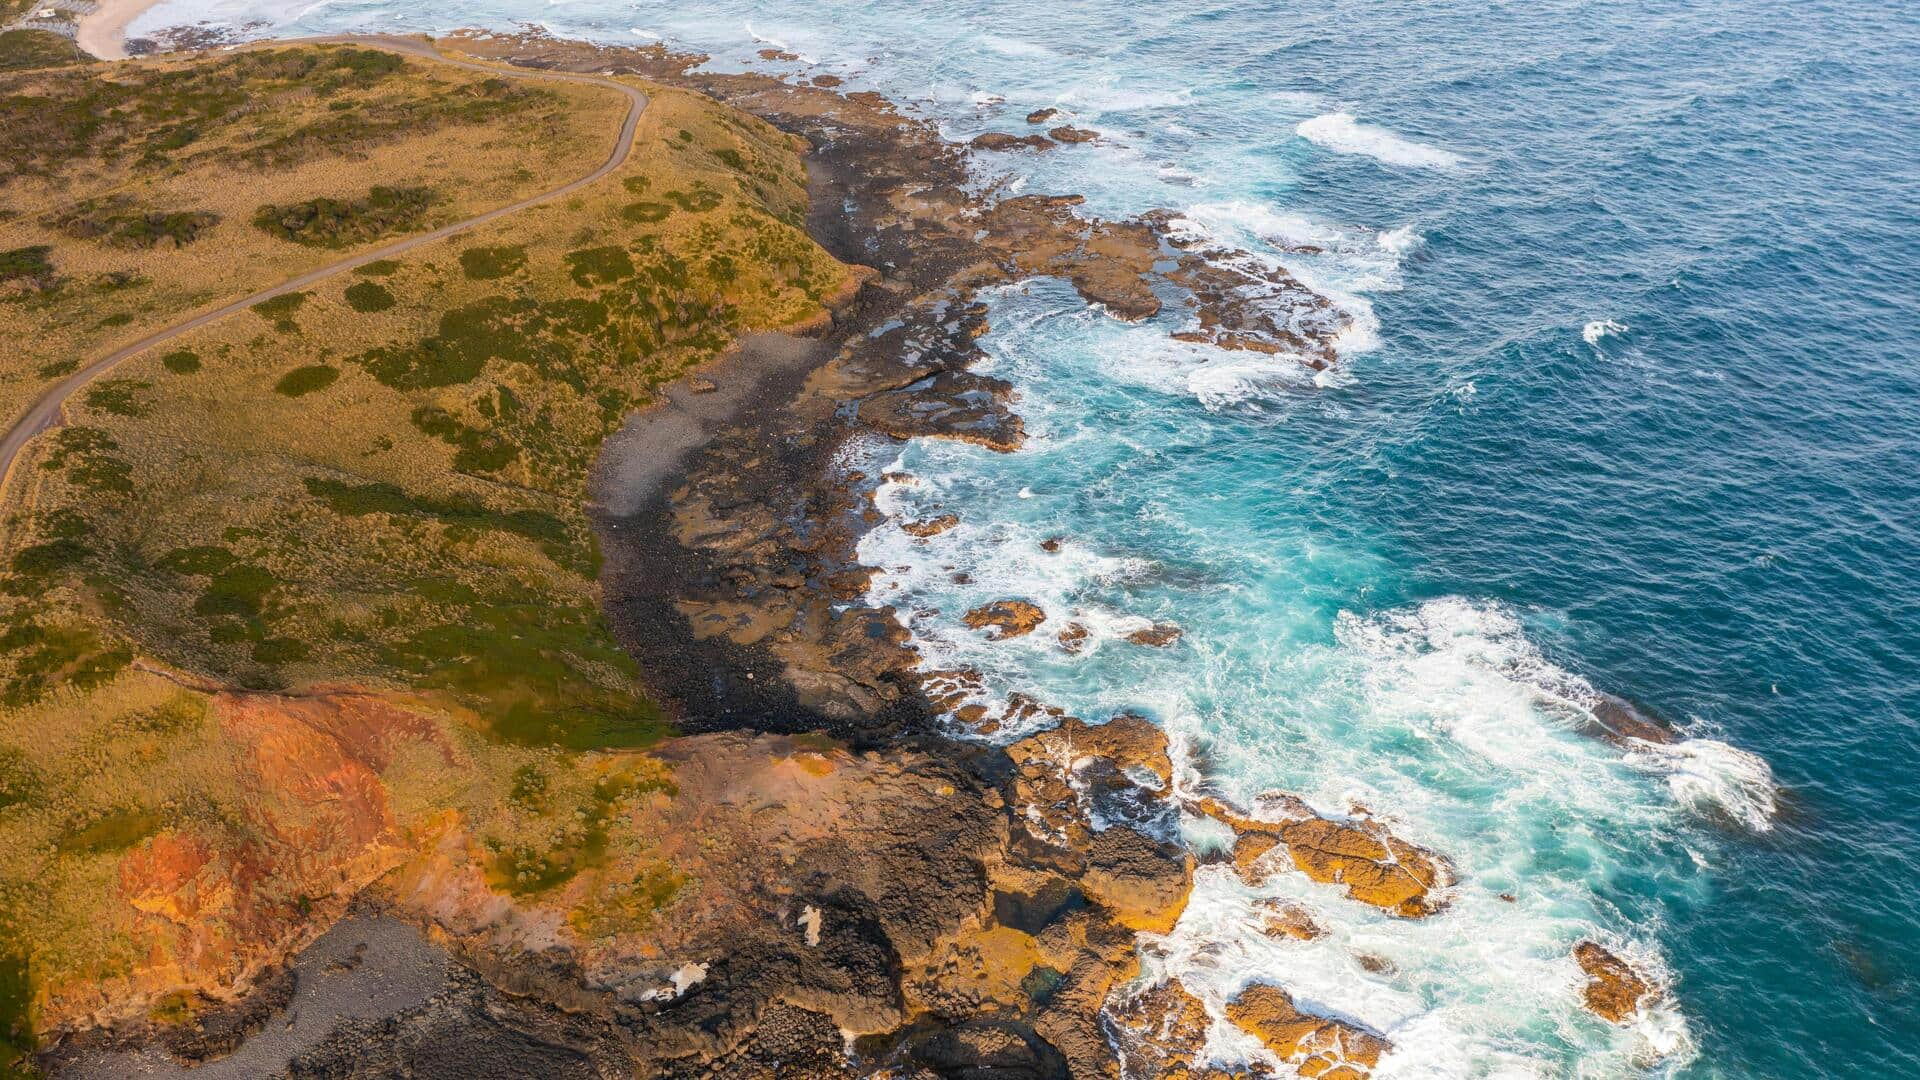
(1400, 584)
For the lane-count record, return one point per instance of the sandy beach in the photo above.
(103, 32)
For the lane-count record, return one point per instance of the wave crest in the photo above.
(1341, 133)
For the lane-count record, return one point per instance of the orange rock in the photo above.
(1317, 1046)
(1614, 990)
(1375, 866)
(1011, 618)
(1127, 740)
(932, 526)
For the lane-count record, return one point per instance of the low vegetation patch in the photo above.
(137, 230)
(488, 263)
(368, 296)
(339, 223)
(32, 266)
(306, 379)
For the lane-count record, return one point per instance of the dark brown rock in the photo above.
(1159, 635)
(1001, 141)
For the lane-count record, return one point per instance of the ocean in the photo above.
(1630, 406)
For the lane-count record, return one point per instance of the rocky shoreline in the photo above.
(874, 896)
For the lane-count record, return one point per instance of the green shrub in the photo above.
(368, 296)
(275, 651)
(28, 264)
(646, 213)
(116, 396)
(488, 263)
(337, 223)
(599, 266)
(181, 361)
(280, 307)
(306, 380)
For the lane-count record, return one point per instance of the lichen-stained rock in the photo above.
(1127, 740)
(1008, 618)
(1614, 990)
(1375, 866)
(1316, 1046)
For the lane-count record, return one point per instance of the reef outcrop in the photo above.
(1359, 854)
(1614, 990)
(1316, 1046)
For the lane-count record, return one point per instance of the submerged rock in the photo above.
(1161, 1031)
(1614, 990)
(1159, 635)
(1074, 637)
(1283, 918)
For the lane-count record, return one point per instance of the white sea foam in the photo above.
(1715, 779)
(1399, 241)
(1007, 46)
(1599, 328)
(1478, 655)
(1104, 96)
(1341, 133)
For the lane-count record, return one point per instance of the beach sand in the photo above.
(103, 32)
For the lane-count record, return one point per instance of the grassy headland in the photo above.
(302, 594)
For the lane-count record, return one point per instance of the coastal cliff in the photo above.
(830, 867)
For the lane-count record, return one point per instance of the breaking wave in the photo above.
(1341, 133)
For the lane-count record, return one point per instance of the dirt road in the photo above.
(46, 412)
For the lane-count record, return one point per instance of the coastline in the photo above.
(730, 513)
(102, 32)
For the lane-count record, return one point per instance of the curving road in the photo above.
(46, 412)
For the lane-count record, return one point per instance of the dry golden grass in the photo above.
(113, 292)
(379, 487)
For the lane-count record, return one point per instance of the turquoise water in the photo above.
(1632, 408)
